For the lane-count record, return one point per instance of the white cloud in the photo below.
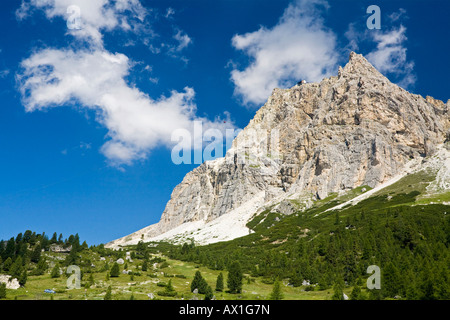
(183, 40)
(149, 69)
(94, 78)
(174, 47)
(353, 36)
(401, 13)
(298, 47)
(4, 73)
(96, 16)
(389, 56)
(170, 11)
(385, 49)
(85, 145)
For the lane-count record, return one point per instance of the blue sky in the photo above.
(86, 115)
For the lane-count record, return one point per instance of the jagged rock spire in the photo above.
(358, 66)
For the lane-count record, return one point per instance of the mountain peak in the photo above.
(358, 65)
(304, 144)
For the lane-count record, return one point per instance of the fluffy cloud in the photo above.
(94, 78)
(389, 57)
(298, 47)
(183, 40)
(4, 73)
(385, 49)
(96, 16)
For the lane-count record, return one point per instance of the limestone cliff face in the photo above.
(354, 129)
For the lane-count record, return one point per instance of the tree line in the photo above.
(21, 256)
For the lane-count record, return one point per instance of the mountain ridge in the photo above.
(349, 130)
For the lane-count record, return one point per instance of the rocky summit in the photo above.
(350, 130)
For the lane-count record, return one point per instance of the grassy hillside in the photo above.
(139, 282)
(408, 240)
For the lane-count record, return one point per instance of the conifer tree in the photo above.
(219, 282)
(169, 286)
(2, 290)
(22, 249)
(375, 294)
(391, 281)
(55, 272)
(220, 265)
(76, 242)
(296, 279)
(356, 293)
(29, 236)
(338, 291)
(235, 276)
(7, 264)
(16, 269)
(41, 267)
(209, 293)
(141, 247)
(2, 249)
(10, 249)
(115, 270)
(54, 238)
(108, 295)
(36, 253)
(23, 277)
(336, 218)
(19, 237)
(199, 283)
(197, 280)
(276, 291)
(91, 280)
(72, 258)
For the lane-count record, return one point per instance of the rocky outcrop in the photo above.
(353, 129)
(60, 248)
(11, 283)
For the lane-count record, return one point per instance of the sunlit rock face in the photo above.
(353, 129)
